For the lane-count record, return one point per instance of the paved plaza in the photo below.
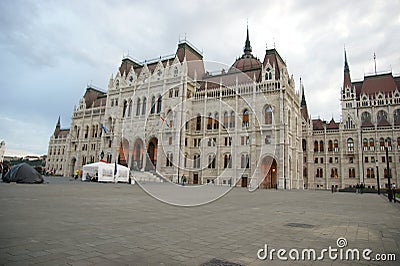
(73, 223)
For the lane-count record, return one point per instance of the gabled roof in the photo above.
(317, 124)
(378, 83)
(91, 95)
(367, 123)
(383, 122)
(332, 125)
(273, 57)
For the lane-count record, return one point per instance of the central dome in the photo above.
(247, 61)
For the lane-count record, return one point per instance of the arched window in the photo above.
(153, 105)
(144, 106)
(138, 107)
(350, 145)
(170, 159)
(315, 146)
(330, 146)
(196, 161)
(304, 144)
(336, 145)
(130, 108)
(396, 116)
(226, 117)
(198, 122)
(87, 132)
(371, 144)
(321, 146)
(381, 115)
(370, 172)
(320, 173)
(365, 144)
(389, 143)
(159, 102)
(365, 117)
(227, 161)
(382, 144)
(398, 143)
(216, 121)
(245, 122)
(209, 121)
(268, 115)
(124, 108)
(232, 122)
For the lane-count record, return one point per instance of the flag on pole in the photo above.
(163, 119)
(104, 128)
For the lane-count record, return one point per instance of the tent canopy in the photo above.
(105, 172)
(23, 173)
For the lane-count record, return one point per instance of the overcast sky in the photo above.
(51, 50)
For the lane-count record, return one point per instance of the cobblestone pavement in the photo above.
(66, 222)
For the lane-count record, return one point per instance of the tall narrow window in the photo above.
(153, 105)
(232, 122)
(216, 121)
(226, 117)
(130, 108)
(350, 145)
(321, 146)
(330, 146)
(124, 108)
(198, 122)
(245, 118)
(144, 106)
(209, 121)
(138, 107)
(159, 102)
(268, 115)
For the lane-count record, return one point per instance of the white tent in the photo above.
(105, 172)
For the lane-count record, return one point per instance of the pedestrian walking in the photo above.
(357, 187)
(333, 188)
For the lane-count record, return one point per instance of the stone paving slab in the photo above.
(67, 222)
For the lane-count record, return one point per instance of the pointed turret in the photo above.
(303, 105)
(247, 47)
(346, 78)
(58, 128)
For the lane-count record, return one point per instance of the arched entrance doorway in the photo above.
(151, 163)
(123, 152)
(269, 172)
(72, 167)
(137, 156)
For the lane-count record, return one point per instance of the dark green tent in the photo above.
(23, 173)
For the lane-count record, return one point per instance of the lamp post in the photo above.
(390, 196)
(377, 177)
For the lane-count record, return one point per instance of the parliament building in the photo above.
(245, 125)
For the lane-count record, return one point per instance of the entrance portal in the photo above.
(269, 173)
(137, 156)
(244, 181)
(151, 163)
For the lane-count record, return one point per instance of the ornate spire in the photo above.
(58, 123)
(346, 78)
(303, 97)
(247, 47)
(346, 65)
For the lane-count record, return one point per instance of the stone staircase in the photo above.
(146, 176)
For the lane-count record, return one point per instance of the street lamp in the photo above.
(390, 196)
(377, 177)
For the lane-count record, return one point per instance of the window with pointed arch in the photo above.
(335, 145)
(216, 121)
(330, 146)
(315, 146)
(389, 143)
(350, 145)
(365, 144)
(159, 103)
(130, 108)
(381, 115)
(365, 117)
(227, 161)
(226, 118)
(138, 107)
(371, 144)
(245, 122)
(268, 74)
(396, 116)
(124, 108)
(370, 172)
(87, 132)
(321, 146)
(198, 122)
(144, 106)
(382, 144)
(349, 123)
(268, 115)
(153, 105)
(232, 122)
(209, 121)
(196, 161)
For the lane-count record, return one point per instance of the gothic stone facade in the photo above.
(245, 125)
